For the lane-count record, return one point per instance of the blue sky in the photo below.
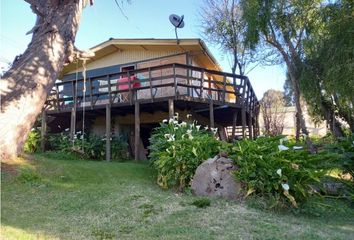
(144, 19)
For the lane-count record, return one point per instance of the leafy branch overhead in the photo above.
(222, 25)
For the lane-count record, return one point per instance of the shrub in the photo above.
(93, 147)
(59, 141)
(119, 148)
(177, 149)
(201, 203)
(33, 141)
(28, 175)
(345, 147)
(283, 175)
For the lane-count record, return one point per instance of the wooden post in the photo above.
(234, 123)
(43, 130)
(130, 90)
(243, 118)
(171, 109)
(202, 85)
(137, 131)
(175, 80)
(211, 113)
(150, 82)
(243, 109)
(250, 133)
(72, 123)
(108, 133)
(257, 122)
(91, 96)
(224, 89)
(109, 89)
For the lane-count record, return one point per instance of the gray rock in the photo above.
(214, 177)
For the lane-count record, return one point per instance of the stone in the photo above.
(215, 177)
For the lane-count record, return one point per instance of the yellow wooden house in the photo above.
(130, 85)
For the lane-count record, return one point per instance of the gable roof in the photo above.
(150, 44)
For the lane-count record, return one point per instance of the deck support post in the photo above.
(108, 133)
(72, 123)
(250, 125)
(171, 109)
(243, 118)
(234, 123)
(211, 113)
(43, 130)
(256, 125)
(137, 131)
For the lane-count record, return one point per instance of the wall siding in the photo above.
(125, 57)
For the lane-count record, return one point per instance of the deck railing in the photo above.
(154, 83)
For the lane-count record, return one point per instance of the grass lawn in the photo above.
(53, 198)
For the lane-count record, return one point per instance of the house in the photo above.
(131, 85)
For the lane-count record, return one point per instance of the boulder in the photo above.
(214, 177)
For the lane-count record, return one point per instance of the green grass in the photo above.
(55, 197)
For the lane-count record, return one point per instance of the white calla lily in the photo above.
(281, 147)
(285, 186)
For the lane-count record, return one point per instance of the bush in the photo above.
(177, 149)
(59, 141)
(201, 203)
(32, 143)
(92, 147)
(28, 175)
(345, 147)
(119, 148)
(285, 176)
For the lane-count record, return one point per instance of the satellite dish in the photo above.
(178, 22)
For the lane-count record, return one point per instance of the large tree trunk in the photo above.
(25, 86)
(328, 112)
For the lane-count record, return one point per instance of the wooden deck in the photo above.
(225, 99)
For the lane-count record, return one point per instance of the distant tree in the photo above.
(222, 25)
(25, 86)
(273, 109)
(278, 30)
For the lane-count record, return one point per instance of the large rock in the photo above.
(214, 177)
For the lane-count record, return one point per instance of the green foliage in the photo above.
(91, 147)
(177, 149)
(327, 81)
(119, 148)
(283, 176)
(28, 175)
(222, 25)
(32, 143)
(345, 147)
(201, 203)
(59, 141)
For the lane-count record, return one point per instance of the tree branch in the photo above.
(37, 7)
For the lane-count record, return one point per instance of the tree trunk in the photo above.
(25, 86)
(296, 89)
(297, 127)
(329, 115)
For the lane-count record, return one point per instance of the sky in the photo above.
(138, 19)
